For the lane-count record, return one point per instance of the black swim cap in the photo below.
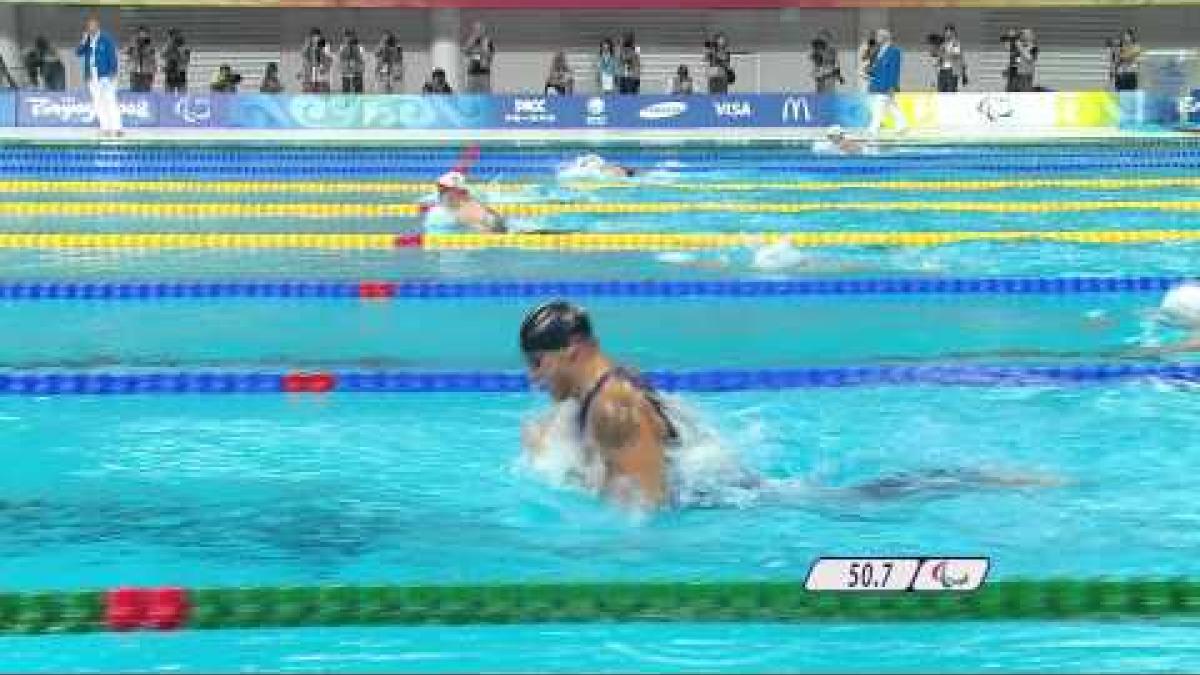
(550, 326)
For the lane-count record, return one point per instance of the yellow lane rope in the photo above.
(671, 241)
(333, 210)
(568, 242)
(421, 187)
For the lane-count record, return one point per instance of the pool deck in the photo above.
(20, 135)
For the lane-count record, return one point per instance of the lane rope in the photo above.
(336, 210)
(597, 241)
(169, 608)
(421, 187)
(67, 383)
(438, 290)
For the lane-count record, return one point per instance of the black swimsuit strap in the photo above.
(649, 392)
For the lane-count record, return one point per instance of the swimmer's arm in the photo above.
(623, 433)
(533, 437)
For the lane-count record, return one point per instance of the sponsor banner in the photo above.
(190, 111)
(546, 112)
(812, 110)
(1151, 111)
(1187, 109)
(974, 112)
(988, 112)
(275, 111)
(56, 109)
(8, 109)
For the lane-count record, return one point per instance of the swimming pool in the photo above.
(423, 487)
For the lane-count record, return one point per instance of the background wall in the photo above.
(772, 45)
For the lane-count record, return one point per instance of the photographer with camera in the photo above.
(717, 58)
(389, 64)
(271, 82)
(480, 52)
(826, 72)
(866, 59)
(317, 58)
(1022, 59)
(141, 60)
(1123, 58)
(949, 64)
(225, 81)
(176, 56)
(352, 61)
(43, 68)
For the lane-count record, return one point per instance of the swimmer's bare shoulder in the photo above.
(623, 427)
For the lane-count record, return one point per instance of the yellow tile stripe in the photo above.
(420, 187)
(333, 210)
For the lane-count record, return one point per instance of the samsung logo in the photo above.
(662, 111)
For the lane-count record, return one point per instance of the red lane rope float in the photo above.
(128, 608)
(377, 290)
(308, 383)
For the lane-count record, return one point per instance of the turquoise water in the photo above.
(427, 488)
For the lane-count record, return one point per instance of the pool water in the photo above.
(268, 489)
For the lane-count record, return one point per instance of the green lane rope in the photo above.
(219, 608)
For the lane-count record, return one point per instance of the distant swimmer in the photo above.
(594, 167)
(623, 426)
(836, 142)
(1180, 308)
(764, 256)
(458, 210)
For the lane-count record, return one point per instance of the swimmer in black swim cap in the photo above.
(621, 420)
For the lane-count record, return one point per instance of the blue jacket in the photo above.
(885, 72)
(105, 54)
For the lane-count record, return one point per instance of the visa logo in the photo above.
(733, 109)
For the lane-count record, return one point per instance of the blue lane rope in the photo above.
(214, 382)
(745, 288)
(286, 171)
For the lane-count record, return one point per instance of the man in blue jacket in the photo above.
(98, 52)
(885, 80)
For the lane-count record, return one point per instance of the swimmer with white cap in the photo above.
(764, 256)
(595, 167)
(1181, 308)
(457, 209)
(836, 141)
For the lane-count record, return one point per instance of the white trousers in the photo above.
(104, 102)
(883, 105)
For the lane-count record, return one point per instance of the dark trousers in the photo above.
(1126, 81)
(947, 81)
(141, 81)
(176, 83)
(629, 85)
(352, 84)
